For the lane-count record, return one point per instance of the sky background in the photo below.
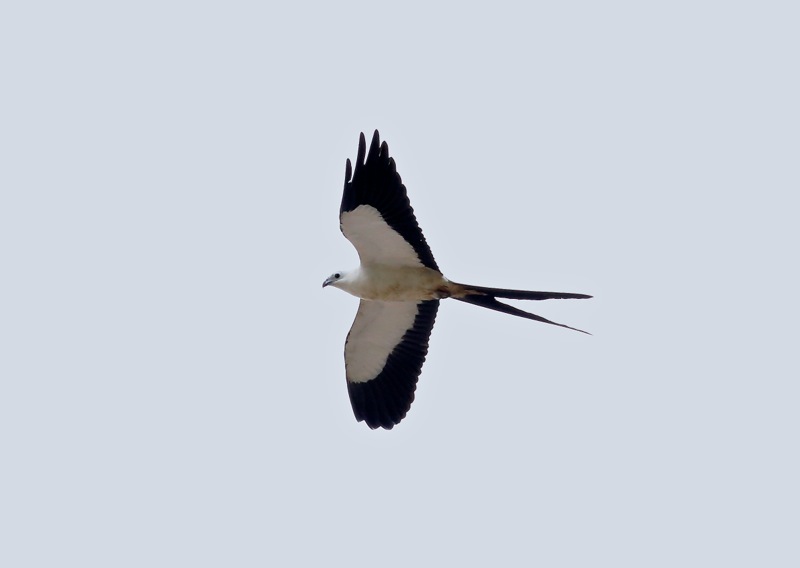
(171, 373)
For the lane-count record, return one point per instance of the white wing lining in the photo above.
(375, 240)
(377, 329)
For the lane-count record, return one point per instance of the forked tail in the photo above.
(487, 298)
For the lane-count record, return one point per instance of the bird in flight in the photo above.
(400, 285)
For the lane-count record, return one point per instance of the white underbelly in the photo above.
(400, 284)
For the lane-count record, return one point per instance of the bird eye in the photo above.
(337, 275)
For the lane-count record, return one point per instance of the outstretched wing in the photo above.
(383, 357)
(376, 215)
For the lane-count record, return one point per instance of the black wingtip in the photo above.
(348, 171)
(371, 406)
(374, 146)
(362, 150)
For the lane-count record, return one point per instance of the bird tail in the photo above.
(487, 298)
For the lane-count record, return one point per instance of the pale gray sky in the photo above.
(172, 376)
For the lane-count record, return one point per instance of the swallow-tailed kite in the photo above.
(400, 286)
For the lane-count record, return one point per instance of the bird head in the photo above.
(333, 279)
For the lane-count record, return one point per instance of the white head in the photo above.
(335, 279)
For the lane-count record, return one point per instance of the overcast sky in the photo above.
(172, 384)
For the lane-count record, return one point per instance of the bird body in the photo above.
(390, 283)
(400, 285)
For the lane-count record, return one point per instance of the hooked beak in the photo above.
(327, 281)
